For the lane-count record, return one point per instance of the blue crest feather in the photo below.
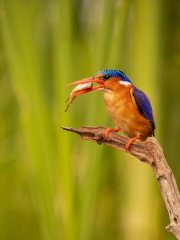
(114, 73)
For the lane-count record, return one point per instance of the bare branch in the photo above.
(150, 152)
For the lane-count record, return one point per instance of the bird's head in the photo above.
(107, 79)
(112, 79)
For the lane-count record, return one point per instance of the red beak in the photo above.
(78, 90)
(86, 80)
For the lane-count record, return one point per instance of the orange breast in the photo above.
(125, 114)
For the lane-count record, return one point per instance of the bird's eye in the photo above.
(106, 77)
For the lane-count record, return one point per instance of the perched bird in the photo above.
(128, 106)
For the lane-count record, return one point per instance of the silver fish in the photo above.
(78, 88)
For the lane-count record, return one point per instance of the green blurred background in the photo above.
(53, 185)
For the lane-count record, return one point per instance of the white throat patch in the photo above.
(125, 83)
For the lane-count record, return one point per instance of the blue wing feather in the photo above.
(144, 106)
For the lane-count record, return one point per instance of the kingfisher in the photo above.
(129, 107)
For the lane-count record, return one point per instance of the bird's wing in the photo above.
(144, 105)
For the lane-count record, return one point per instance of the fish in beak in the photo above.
(84, 86)
(87, 80)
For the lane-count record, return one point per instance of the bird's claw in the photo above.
(109, 130)
(130, 141)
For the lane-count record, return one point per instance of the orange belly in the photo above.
(125, 114)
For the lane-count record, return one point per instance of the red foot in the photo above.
(109, 130)
(131, 140)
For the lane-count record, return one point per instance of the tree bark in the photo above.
(150, 152)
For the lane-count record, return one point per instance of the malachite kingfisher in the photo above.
(128, 106)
